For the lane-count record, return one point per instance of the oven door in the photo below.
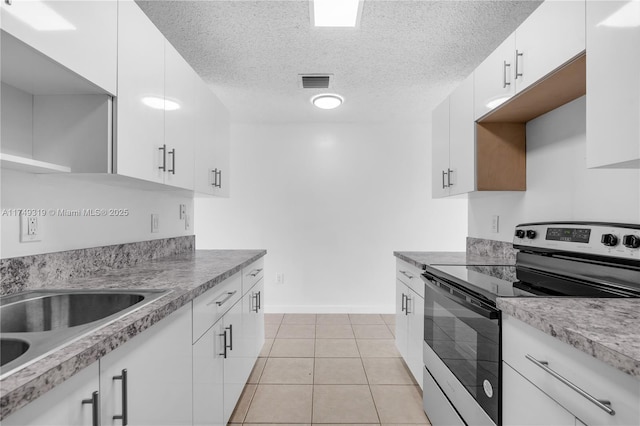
(462, 349)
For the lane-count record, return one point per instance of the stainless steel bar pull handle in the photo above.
(228, 296)
(163, 148)
(214, 181)
(403, 303)
(505, 83)
(95, 409)
(518, 55)
(449, 173)
(602, 404)
(172, 153)
(125, 410)
(230, 328)
(256, 306)
(219, 179)
(224, 344)
(406, 274)
(259, 300)
(444, 185)
(406, 308)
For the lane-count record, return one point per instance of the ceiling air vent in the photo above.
(315, 81)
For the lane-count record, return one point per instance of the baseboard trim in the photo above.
(329, 309)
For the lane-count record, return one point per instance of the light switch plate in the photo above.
(187, 221)
(495, 223)
(183, 211)
(155, 223)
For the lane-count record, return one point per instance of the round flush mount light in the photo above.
(327, 101)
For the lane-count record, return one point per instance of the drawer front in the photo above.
(210, 306)
(523, 345)
(410, 275)
(252, 274)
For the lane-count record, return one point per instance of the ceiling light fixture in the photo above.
(327, 101)
(335, 13)
(39, 16)
(160, 103)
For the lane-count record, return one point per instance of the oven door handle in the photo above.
(466, 301)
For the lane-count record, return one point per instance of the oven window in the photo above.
(469, 345)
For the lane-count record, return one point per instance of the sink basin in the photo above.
(11, 349)
(62, 311)
(34, 323)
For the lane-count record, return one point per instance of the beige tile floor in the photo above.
(330, 369)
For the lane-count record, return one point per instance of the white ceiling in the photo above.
(405, 57)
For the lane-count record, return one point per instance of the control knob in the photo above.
(531, 234)
(609, 240)
(519, 233)
(631, 241)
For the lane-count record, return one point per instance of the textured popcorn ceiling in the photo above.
(405, 57)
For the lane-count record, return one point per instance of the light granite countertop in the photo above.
(186, 275)
(607, 329)
(424, 258)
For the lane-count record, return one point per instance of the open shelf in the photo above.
(23, 164)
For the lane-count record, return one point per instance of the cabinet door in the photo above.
(208, 377)
(415, 336)
(258, 291)
(140, 100)
(613, 66)
(180, 92)
(524, 404)
(552, 35)
(462, 140)
(235, 363)
(440, 150)
(213, 145)
(402, 322)
(493, 79)
(61, 406)
(159, 369)
(81, 35)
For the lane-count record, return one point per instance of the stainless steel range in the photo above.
(462, 337)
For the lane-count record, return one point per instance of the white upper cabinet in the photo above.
(180, 118)
(553, 34)
(440, 150)
(454, 150)
(494, 82)
(462, 142)
(613, 85)
(212, 147)
(140, 149)
(80, 35)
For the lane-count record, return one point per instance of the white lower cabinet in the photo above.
(410, 325)
(208, 377)
(158, 376)
(526, 405)
(61, 406)
(548, 382)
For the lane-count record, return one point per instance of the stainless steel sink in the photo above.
(34, 323)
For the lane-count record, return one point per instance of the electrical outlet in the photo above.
(280, 278)
(183, 211)
(495, 223)
(155, 223)
(29, 229)
(187, 221)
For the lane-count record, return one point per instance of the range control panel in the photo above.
(601, 239)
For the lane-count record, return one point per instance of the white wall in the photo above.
(330, 203)
(30, 191)
(559, 186)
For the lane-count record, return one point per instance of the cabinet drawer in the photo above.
(211, 305)
(252, 274)
(410, 275)
(522, 344)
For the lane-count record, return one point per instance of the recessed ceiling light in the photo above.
(335, 13)
(39, 16)
(160, 103)
(327, 101)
